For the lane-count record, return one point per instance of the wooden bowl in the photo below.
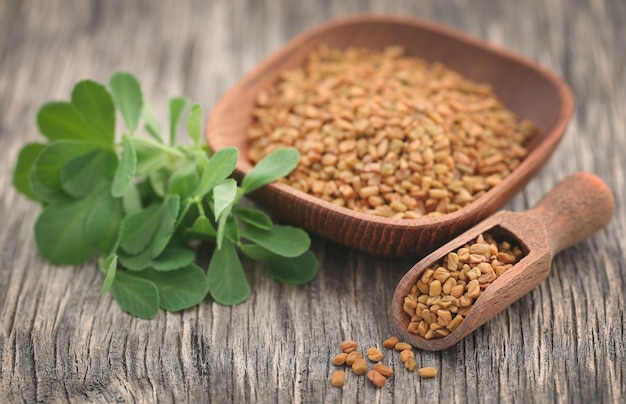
(527, 89)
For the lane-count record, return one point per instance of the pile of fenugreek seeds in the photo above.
(439, 301)
(388, 134)
(379, 372)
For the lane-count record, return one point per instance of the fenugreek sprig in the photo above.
(140, 203)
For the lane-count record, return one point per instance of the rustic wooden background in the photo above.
(61, 341)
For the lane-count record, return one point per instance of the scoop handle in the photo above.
(575, 209)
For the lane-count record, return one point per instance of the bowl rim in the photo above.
(515, 180)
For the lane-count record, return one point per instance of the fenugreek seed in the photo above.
(427, 372)
(427, 275)
(359, 367)
(444, 317)
(441, 274)
(340, 359)
(383, 369)
(410, 364)
(457, 290)
(337, 378)
(473, 289)
(401, 346)
(348, 346)
(453, 261)
(353, 357)
(435, 288)
(366, 192)
(454, 324)
(442, 332)
(406, 354)
(447, 285)
(374, 354)
(390, 342)
(376, 378)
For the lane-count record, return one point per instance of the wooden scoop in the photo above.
(575, 209)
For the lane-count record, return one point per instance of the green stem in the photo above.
(156, 145)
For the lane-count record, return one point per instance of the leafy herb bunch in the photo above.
(140, 204)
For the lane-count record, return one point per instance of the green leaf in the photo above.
(158, 179)
(152, 125)
(255, 217)
(81, 175)
(174, 258)
(181, 289)
(202, 229)
(274, 166)
(194, 124)
(59, 233)
(128, 98)
(167, 225)
(224, 195)
(139, 228)
(219, 167)
(149, 159)
(109, 266)
(231, 230)
(137, 262)
(296, 271)
(221, 227)
(286, 241)
(25, 161)
(138, 296)
(177, 107)
(95, 105)
(102, 226)
(184, 181)
(61, 121)
(131, 200)
(125, 170)
(255, 252)
(227, 281)
(49, 163)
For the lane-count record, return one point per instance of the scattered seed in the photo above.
(406, 355)
(402, 346)
(359, 366)
(376, 378)
(427, 372)
(352, 357)
(390, 342)
(374, 354)
(337, 378)
(348, 346)
(383, 369)
(410, 364)
(340, 359)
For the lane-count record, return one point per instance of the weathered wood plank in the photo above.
(61, 341)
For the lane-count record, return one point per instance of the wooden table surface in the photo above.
(61, 341)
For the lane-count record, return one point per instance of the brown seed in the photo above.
(359, 366)
(383, 369)
(406, 354)
(472, 268)
(427, 372)
(401, 346)
(410, 364)
(353, 357)
(376, 378)
(374, 354)
(340, 359)
(337, 378)
(348, 346)
(390, 342)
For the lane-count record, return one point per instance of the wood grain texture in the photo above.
(61, 341)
